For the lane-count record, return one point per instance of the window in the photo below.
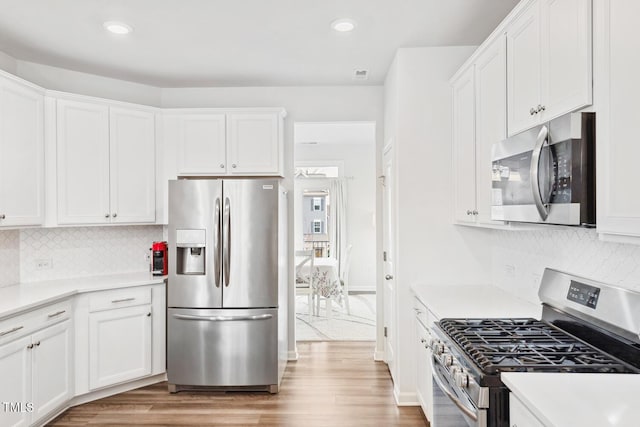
(316, 226)
(316, 203)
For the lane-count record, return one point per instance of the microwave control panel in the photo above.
(561, 158)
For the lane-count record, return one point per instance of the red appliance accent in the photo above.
(159, 258)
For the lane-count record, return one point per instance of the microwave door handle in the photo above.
(216, 242)
(534, 173)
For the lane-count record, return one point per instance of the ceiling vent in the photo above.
(360, 74)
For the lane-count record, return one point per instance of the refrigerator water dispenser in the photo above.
(191, 250)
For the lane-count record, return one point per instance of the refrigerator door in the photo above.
(250, 243)
(195, 215)
(222, 347)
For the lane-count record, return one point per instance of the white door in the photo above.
(21, 155)
(491, 119)
(83, 163)
(464, 147)
(253, 143)
(389, 295)
(119, 345)
(52, 367)
(132, 165)
(523, 69)
(566, 56)
(201, 144)
(15, 372)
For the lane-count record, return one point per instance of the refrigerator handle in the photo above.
(216, 242)
(226, 239)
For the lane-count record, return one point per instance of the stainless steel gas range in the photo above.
(586, 326)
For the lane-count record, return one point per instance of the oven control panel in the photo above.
(583, 294)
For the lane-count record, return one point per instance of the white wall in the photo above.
(360, 166)
(8, 63)
(430, 249)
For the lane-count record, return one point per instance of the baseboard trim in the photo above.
(121, 388)
(378, 355)
(292, 356)
(405, 398)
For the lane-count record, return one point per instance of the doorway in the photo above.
(334, 214)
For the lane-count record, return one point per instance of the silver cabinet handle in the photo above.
(3, 216)
(388, 277)
(122, 300)
(221, 165)
(532, 111)
(540, 108)
(216, 242)
(468, 212)
(37, 344)
(226, 241)
(107, 215)
(223, 318)
(475, 212)
(30, 346)
(56, 314)
(234, 166)
(534, 169)
(10, 331)
(115, 215)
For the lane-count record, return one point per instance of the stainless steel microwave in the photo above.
(547, 174)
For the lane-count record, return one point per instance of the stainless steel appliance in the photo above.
(226, 323)
(586, 326)
(547, 174)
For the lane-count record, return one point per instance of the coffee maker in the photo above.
(159, 258)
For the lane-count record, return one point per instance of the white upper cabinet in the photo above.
(132, 165)
(464, 147)
(201, 144)
(105, 164)
(254, 143)
(617, 89)
(82, 162)
(218, 142)
(549, 68)
(491, 118)
(21, 154)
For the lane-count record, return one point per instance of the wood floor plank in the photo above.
(332, 384)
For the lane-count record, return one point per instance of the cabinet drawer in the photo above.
(119, 298)
(23, 324)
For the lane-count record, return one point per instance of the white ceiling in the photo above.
(181, 43)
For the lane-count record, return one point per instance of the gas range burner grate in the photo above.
(527, 345)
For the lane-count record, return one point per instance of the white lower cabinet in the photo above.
(520, 416)
(36, 373)
(119, 345)
(424, 383)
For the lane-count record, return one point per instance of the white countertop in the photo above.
(473, 301)
(17, 298)
(564, 399)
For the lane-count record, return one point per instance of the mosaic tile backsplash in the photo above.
(519, 258)
(84, 251)
(9, 257)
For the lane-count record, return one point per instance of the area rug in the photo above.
(360, 325)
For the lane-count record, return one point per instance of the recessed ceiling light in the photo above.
(343, 25)
(117, 27)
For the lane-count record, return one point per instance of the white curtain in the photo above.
(338, 236)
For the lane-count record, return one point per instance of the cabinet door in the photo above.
(201, 145)
(83, 163)
(520, 416)
(52, 368)
(523, 69)
(21, 155)
(464, 161)
(15, 371)
(617, 97)
(254, 144)
(119, 345)
(491, 118)
(566, 56)
(132, 166)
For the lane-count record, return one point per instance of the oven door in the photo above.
(452, 407)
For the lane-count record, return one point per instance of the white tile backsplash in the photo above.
(520, 257)
(85, 251)
(9, 257)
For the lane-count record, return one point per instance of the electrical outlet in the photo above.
(509, 270)
(44, 264)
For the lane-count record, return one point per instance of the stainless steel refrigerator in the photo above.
(226, 316)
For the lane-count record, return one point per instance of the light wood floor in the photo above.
(332, 384)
